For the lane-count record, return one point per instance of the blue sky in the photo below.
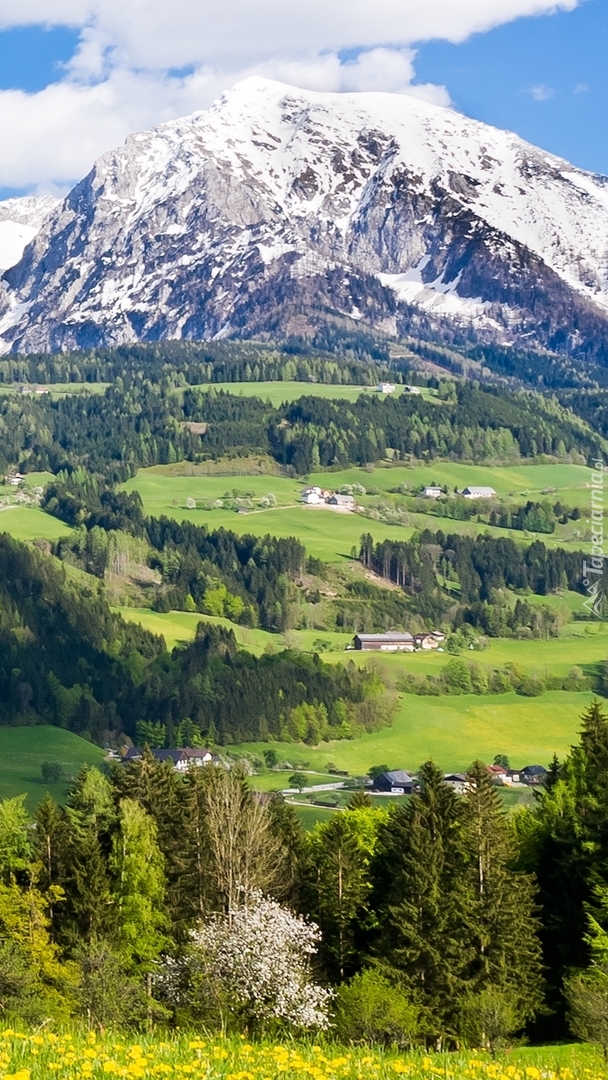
(79, 75)
(545, 78)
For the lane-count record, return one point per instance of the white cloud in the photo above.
(541, 92)
(120, 78)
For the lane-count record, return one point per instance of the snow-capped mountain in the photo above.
(20, 221)
(279, 208)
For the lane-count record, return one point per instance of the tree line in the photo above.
(66, 659)
(137, 423)
(437, 922)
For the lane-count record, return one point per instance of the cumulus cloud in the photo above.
(123, 74)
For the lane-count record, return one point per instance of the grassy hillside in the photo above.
(331, 535)
(453, 731)
(24, 749)
(31, 523)
(278, 392)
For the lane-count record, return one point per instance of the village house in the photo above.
(412, 389)
(458, 782)
(500, 774)
(15, 480)
(431, 640)
(432, 492)
(345, 501)
(394, 783)
(183, 758)
(395, 641)
(312, 496)
(386, 388)
(473, 492)
(533, 774)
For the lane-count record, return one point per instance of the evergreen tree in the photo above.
(421, 900)
(139, 887)
(564, 841)
(340, 852)
(51, 846)
(160, 791)
(502, 926)
(89, 911)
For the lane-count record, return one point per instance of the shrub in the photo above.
(371, 1009)
(52, 772)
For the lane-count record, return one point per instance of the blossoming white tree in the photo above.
(255, 964)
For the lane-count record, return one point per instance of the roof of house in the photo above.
(474, 489)
(460, 776)
(182, 753)
(398, 778)
(534, 770)
(497, 770)
(393, 635)
(338, 498)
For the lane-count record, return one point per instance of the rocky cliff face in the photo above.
(279, 208)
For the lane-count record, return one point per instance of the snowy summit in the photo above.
(279, 203)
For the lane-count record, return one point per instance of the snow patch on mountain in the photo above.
(20, 221)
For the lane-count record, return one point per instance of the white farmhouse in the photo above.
(385, 388)
(479, 493)
(432, 492)
(312, 496)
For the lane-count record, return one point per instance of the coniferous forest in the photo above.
(433, 917)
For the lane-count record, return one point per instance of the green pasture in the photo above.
(582, 644)
(31, 523)
(453, 731)
(516, 480)
(24, 749)
(279, 392)
(179, 628)
(330, 535)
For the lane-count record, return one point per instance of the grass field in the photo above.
(331, 535)
(278, 392)
(72, 1054)
(31, 523)
(24, 749)
(57, 390)
(453, 731)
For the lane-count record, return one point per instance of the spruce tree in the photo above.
(340, 853)
(421, 898)
(502, 925)
(51, 851)
(164, 796)
(89, 911)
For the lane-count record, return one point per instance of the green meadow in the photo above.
(453, 731)
(279, 392)
(24, 749)
(330, 535)
(31, 523)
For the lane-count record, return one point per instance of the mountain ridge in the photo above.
(280, 208)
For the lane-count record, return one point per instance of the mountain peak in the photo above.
(279, 207)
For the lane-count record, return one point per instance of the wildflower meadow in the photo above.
(70, 1056)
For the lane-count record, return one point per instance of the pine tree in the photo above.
(164, 796)
(51, 850)
(421, 900)
(502, 926)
